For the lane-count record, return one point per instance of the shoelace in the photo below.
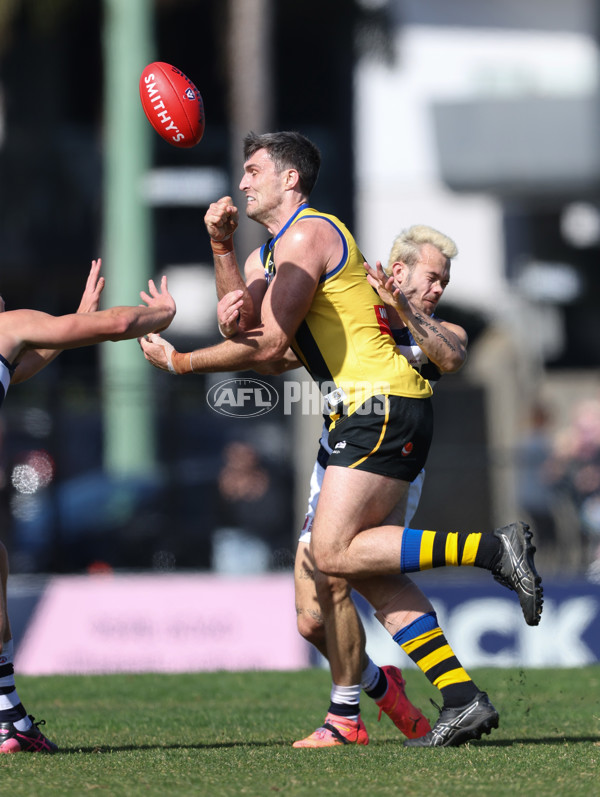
(435, 705)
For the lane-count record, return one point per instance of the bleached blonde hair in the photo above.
(407, 246)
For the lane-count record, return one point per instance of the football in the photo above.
(172, 104)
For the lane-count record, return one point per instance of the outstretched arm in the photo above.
(34, 360)
(304, 255)
(21, 330)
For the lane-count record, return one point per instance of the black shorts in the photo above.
(388, 435)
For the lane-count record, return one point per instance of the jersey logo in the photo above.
(407, 449)
(335, 400)
(382, 319)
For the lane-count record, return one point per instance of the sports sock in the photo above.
(374, 681)
(424, 641)
(423, 549)
(11, 708)
(345, 701)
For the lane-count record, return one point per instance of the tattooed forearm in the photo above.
(426, 322)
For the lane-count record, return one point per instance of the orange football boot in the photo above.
(336, 731)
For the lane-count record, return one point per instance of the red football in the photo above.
(172, 104)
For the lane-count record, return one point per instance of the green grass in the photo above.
(231, 734)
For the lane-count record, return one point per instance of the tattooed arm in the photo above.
(444, 344)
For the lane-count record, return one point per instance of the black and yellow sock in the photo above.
(424, 641)
(422, 550)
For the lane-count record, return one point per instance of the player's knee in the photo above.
(310, 628)
(329, 563)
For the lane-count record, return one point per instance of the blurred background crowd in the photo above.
(480, 119)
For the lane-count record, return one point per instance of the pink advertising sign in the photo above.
(163, 623)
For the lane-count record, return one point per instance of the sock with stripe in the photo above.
(424, 641)
(423, 549)
(11, 708)
(373, 680)
(345, 701)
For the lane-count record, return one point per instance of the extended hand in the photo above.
(158, 351)
(161, 299)
(90, 299)
(384, 285)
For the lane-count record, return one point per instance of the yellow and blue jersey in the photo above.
(345, 341)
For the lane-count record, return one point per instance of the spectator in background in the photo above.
(535, 489)
(253, 509)
(576, 476)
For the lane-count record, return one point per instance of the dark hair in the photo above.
(288, 150)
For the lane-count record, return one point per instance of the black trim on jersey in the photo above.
(311, 355)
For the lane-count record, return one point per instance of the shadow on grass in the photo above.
(549, 740)
(126, 748)
(545, 740)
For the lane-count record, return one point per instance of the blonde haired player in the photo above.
(386, 684)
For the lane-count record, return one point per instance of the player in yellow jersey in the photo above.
(320, 304)
(424, 254)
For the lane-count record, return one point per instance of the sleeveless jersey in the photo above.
(409, 348)
(6, 371)
(345, 341)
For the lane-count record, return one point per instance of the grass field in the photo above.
(231, 734)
